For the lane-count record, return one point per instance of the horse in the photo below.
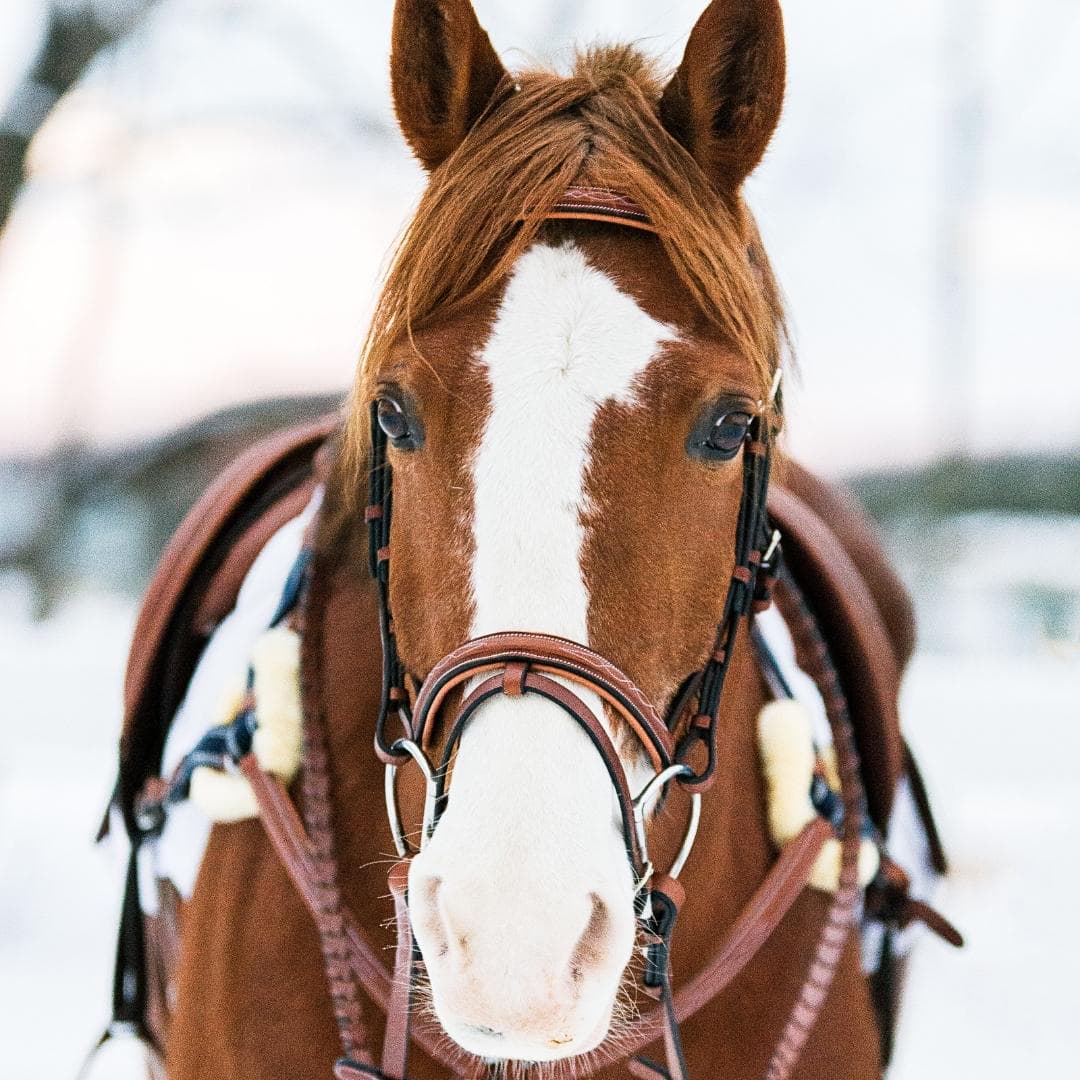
(533, 563)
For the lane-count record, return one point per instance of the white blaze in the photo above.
(565, 341)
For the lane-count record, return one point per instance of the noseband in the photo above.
(515, 664)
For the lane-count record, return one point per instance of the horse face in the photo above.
(565, 460)
(552, 474)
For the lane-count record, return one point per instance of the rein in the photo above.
(681, 747)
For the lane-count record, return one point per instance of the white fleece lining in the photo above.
(177, 854)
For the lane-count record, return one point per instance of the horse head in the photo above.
(565, 407)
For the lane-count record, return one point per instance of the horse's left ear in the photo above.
(443, 73)
(724, 102)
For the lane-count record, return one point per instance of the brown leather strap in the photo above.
(584, 203)
(556, 656)
(813, 657)
(290, 840)
(756, 922)
(284, 828)
(861, 539)
(286, 833)
(395, 1056)
(773, 899)
(852, 622)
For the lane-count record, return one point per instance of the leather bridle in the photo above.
(681, 748)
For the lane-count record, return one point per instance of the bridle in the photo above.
(681, 748)
(516, 663)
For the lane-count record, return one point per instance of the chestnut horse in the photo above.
(566, 388)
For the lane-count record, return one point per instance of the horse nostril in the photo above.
(590, 950)
(427, 917)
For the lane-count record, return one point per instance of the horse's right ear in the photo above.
(443, 72)
(724, 102)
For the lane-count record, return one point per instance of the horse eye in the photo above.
(395, 424)
(728, 434)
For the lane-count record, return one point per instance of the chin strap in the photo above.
(395, 1055)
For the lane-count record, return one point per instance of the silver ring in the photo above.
(641, 806)
(393, 813)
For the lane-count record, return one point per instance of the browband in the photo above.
(584, 203)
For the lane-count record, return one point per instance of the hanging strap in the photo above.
(129, 994)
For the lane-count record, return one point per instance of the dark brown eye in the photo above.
(397, 424)
(720, 430)
(728, 433)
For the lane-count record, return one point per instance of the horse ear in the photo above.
(724, 102)
(443, 73)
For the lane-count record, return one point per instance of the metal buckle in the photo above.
(393, 813)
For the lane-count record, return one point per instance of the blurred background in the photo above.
(196, 198)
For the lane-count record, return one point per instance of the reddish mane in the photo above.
(541, 134)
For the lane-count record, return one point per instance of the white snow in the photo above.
(60, 701)
(998, 738)
(999, 742)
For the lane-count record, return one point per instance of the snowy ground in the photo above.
(998, 738)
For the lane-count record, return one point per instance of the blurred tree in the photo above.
(1020, 483)
(81, 515)
(75, 34)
